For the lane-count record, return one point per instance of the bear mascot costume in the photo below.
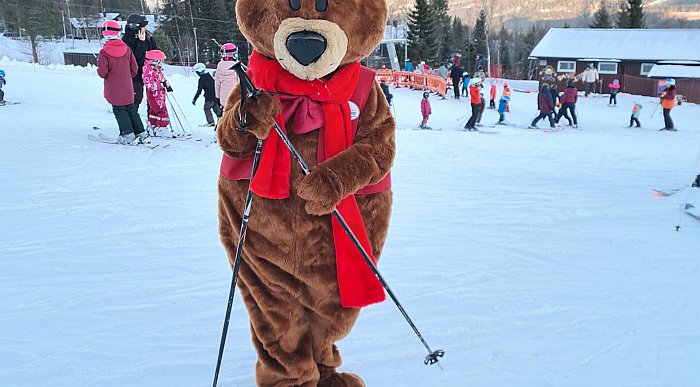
(301, 278)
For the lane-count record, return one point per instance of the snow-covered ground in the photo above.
(50, 52)
(531, 258)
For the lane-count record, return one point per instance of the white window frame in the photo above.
(642, 72)
(560, 70)
(600, 70)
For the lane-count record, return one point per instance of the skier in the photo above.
(385, 90)
(555, 97)
(225, 78)
(442, 71)
(482, 108)
(140, 42)
(545, 105)
(206, 84)
(479, 64)
(668, 101)
(156, 88)
(506, 93)
(466, 81)
(614, 88)
(568, 104)
(117, 66)
(475, 99)
(456, 73)
(492, 95)
(590, 77)
(425, 110)
(408, 66)
(2, 82)
(636, 112)
(502, 104)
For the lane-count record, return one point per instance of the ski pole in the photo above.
(687, 194)
(177, 116)
(245, 94)
(184, 116)
(655, 109)
(433, 356)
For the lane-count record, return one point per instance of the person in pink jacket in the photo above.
(425, 110)
(117, 66)
(614, 89)
(156, 88)
(225, 78)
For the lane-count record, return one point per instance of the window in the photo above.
(564, 66)
(607, 68)
(543, 62)
(646, 68)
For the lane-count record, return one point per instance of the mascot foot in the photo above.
(335, 379)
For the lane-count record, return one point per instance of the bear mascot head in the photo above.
(302, 279)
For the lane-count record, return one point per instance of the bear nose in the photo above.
(306, 46)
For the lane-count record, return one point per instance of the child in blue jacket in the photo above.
(502, 106)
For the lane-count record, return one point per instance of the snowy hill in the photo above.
(531, 258)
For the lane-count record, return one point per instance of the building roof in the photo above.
(93, 21)
(674, 71)
(622, 44)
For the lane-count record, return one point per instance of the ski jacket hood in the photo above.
(116, 48)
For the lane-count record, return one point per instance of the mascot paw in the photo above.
(261, 114)
(321, 190)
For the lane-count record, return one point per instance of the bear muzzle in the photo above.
(306, 46)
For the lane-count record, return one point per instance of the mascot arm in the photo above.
(260, 113)
(365, 162)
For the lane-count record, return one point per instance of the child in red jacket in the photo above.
(425, 110)
(117, 66)
(492, 94)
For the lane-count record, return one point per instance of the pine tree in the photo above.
(457, 35)
(504, 52)
(601, 18)
(623, 15)
(421, 34)
(237, 37)
(443, 24)
(165, 44)
(35, 19)
(636, 14)
(480, 34)
(211, 21)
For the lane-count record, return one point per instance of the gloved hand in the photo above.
(194, 101)
(167, 87)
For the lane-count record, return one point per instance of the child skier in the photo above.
(492, 94)
(545, 105)
(425, 110)
(206, 84)
(568, 104)
(614, 88)
(502, 105)
(636, 112)
(466, 81)
(506, 93)
(156, 88)
(117, 66)
(2, 82)
(226, 78)
(385, 90)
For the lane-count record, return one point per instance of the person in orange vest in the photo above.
(475, 99)
(506, 93)
(492, 94)
(668, 101)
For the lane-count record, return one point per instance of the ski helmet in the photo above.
(671, 82)
(616, 81)
(229, 51)
(476, 81)
(111, 29)
(506, 98)
(426, 94)
(155, 55)
(199, 68)
(2, 73)
(136, 21)
(505, 84)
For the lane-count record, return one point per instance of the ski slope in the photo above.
(531, 258)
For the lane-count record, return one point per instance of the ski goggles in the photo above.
(111, 29)
(134, 26)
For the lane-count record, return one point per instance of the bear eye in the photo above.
(321, 5)
(295, 4)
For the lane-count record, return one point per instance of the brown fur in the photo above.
(288, 274)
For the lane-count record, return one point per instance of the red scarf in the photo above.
(357, 283)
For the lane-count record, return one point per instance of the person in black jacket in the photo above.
(139, 41)
(387, 93)
(206, 84)
(555, 98)
(456, 73)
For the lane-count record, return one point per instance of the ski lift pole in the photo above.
(433, 356)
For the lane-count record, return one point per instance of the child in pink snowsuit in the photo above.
(156, 86)
(425, 110)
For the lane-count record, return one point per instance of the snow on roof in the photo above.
(623, 44)
(93, 21)
(675, 71)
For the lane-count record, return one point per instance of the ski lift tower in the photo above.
(391, 49)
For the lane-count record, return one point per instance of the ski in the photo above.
(6, 103)
(106, 140)
(666, 192)
(690, 212)
(481, 131)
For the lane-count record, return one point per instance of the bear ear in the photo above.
(295, 4)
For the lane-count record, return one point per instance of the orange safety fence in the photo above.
(413, 80)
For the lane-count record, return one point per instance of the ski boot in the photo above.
(126, 139)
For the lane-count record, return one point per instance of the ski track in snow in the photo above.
(532, 259)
